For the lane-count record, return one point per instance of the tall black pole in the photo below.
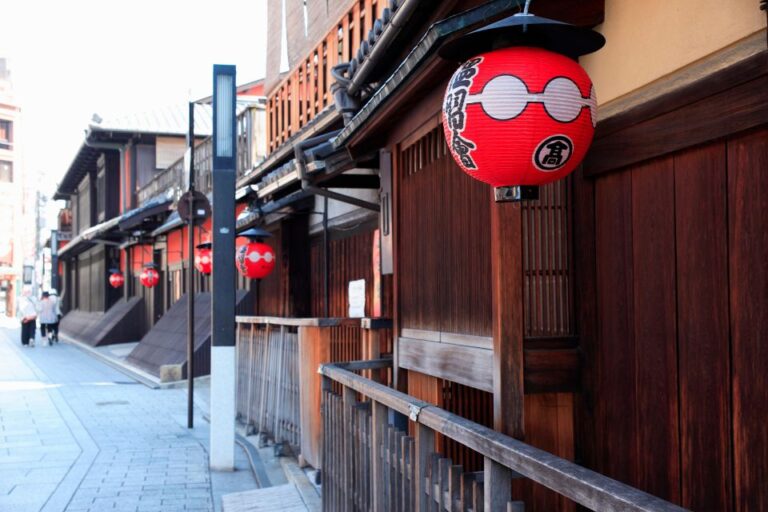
(222, 446)
(191, 271)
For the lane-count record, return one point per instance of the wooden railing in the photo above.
(371, 462)
(306, 91)
(173, 177)
(278, 385)
(268, 383)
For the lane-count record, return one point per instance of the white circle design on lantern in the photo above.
(255, 257)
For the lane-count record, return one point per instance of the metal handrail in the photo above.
(582, 485)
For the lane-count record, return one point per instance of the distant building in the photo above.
(11, 195)
(121, 191)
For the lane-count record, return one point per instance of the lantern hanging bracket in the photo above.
(516, 193)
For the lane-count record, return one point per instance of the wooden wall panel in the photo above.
(655, 328)
(748, 272)
(702, 304)
(351, 258)
(444, 242)
(548, 426)
(425, 387)
(616, 358)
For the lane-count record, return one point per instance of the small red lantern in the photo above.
(255, 260)
(520, 111)
(204, 258)
(116, 278)
(149, 277)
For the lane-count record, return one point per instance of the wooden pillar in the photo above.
(507, 276)
(508, 393)
(314, 350)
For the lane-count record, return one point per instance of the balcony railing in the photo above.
(173, 177)
(306, 91)
(371, 464)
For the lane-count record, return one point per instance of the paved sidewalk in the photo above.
(77, 435)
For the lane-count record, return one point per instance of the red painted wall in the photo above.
(256, 90)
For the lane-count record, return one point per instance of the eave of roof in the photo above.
(131, 220)
(171, 120)
(94, 234)
(250, 217)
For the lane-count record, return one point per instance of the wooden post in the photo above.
(507, 274)
(349, 397)
(497, 486)
(425, 447)
(314, 350)
(508, 392)
(378, 430)
(372, 350)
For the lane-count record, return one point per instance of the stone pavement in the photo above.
(77, 435)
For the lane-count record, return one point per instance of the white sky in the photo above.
(72, 58)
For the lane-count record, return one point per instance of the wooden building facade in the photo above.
(625, 307)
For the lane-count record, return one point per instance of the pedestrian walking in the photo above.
(55, 296)
(48, 317)
(27, 314)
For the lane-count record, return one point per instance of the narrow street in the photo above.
(77, 435)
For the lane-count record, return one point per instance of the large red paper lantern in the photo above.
(204, 258)
(519, 116)
(149, 277)
(116, 279)
(255, 260)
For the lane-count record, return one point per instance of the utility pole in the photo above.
(36, 280)
(191, 271)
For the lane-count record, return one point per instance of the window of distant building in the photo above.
(6, 172)
(6, 134)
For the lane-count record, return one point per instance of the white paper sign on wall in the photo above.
(357, 298)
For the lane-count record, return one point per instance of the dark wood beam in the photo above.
(718, 104)
(351, 181)
(507, 292)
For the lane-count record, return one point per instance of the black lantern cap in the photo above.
(524, 30)
(255, 233)
(204, 245)
(150, 265)
(114, 270)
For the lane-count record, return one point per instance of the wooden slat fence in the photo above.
(370, 464)
(306, 91)
(268, 381)
(278, 386)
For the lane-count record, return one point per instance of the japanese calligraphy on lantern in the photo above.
(455, 111)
